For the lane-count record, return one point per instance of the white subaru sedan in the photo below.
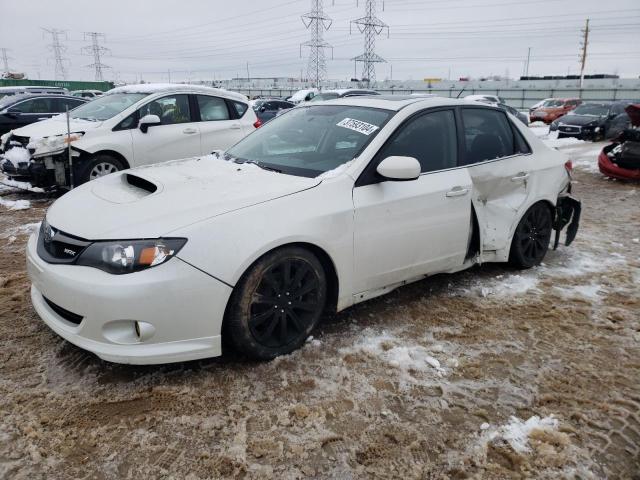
(323, 207)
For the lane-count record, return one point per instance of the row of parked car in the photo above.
(572, 117)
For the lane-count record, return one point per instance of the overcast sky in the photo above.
(205, 39)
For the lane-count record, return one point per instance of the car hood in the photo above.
(55, 126)
(154, 201)
(580, 120)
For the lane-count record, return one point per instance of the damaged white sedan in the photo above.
(321, 208)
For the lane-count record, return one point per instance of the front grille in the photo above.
(66, 314)
(55, 246)
(22, 141)
(566, 129)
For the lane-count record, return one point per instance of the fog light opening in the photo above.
(136, 326)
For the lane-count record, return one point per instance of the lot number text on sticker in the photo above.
(358, 126)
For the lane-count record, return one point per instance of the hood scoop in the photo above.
(124, 188)
(141, 183)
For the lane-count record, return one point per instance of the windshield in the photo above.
(592, 109)
(324, 96)
(308, 141)
(552, 103)
(106, 106)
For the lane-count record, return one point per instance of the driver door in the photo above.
(178, 135)
(404, 229)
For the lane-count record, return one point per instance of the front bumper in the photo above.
(184, 306)
(581, 132)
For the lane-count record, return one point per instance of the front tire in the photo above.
(532, 236)
(99, 166)
(277, 303)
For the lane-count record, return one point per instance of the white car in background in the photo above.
(323, 207)
(128, 127)
(303, 95)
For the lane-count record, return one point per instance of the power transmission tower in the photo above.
(58, 49)
(583, 55)
(317, 22)
(371, 26)
(96, 50)
(5, 59)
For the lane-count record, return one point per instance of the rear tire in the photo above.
(97, 167)
(277, 303)
(532, 236)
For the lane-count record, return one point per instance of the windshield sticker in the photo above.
(357, 126)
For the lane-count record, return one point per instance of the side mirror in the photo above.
(13, 112)
(399, 168)
(148, 121)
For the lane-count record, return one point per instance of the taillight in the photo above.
(257, 123)
(568, 165)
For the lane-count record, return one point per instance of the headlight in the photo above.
(53, 144)
(128, 256)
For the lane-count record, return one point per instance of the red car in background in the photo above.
(621, 159)
(553, 108)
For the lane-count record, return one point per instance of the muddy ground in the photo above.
(421, 383)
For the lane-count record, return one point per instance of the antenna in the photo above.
(316, 22)
(58, 49)
(371, 26)
(96, 50)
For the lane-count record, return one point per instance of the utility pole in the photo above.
(58, 49)
(5, 59)
(583, 55)
(526, 65)
(96, 50)
(316, 22)
(248, 75)
(371, 26)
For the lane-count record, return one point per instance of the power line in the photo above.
(371, 26)
(58, 49)
(316, 22)
(96, 50)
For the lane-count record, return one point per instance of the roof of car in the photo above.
(29, 87)
(150, 88)
(393, 102)
(8, 100)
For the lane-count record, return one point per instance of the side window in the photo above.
(487, 135)
(128, 123)
(37, 105)
(430, 138)
(172, 109)
(241, 108)
(212, 108)
(62, 103)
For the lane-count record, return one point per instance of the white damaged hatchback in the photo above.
(323, 207)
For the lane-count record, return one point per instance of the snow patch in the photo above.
(15, 204)
(516, 433)
(17, 155)
(335, 172)
(20, 185)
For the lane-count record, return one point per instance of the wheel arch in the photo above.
(114, 154)
(552, 210)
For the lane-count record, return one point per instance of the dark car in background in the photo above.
(593, 120)
(267, 108)
(19, 110)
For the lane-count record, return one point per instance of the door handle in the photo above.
(520, 177)
(235, 126)
(457, 192)
(189, 131)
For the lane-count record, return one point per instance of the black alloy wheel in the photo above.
(277, 303)
(532, 236)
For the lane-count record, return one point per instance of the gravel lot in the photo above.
(490, 373)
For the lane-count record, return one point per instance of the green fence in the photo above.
(69, 85)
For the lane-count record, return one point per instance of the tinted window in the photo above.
(62, 104)
(172, 109)
(212, 108)
(37, 105)
(430, 138)
(487, 134)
